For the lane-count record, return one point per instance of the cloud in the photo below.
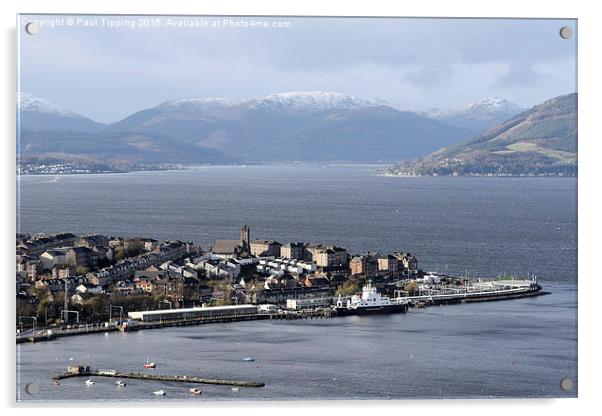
(412, 63)
(521, 75)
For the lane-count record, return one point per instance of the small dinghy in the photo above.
(196, 391)
(159, 392)
(90, 383)
(120, 383)
(248, 359)
(149, 364)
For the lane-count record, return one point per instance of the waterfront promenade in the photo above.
(478, 292)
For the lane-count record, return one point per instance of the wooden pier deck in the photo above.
(157, 377)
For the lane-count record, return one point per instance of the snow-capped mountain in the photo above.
(301, 125)
(294, 101)
(36, 113)
(289, 126)
(477, 116)
(193, 105)
(30, 102)
(313, 101)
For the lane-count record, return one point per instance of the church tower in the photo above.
(245, 237)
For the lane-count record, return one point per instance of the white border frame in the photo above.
(589, 152)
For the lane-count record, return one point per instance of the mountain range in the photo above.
(294, 126)
(477, 116)
(538, 141)
(291, 126)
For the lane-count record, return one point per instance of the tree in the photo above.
(98, 306)
(81, 270)
(350, 287)
(411, 287)
(119, 254)
(44, 306)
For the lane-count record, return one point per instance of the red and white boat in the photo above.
(149, 364)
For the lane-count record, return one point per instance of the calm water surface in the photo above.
(483, 226)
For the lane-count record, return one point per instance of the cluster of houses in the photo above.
(305, 258)
(95, 261)
(256, 270)
(298, 269)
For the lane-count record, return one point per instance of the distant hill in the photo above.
(478, 116)
(296, 126)
(42, 115)
(51, 133)
(113, 148)
(539, 141)
(291, 126)
(377, 134)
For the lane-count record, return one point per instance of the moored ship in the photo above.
(369, 301)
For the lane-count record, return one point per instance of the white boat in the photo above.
(248, 359)
(196, 391)
(369, 301)
(235, 389)
(159, 392)
(149, 364)
(90, 383)
(120, 383)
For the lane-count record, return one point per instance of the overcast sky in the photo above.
(107, 72)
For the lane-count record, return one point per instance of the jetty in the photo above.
(85, 371)
(477, 292)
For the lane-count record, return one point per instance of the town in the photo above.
(65, 280)
(63, 274)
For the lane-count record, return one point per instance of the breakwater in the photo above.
(155, 377)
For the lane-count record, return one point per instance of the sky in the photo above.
(108, 67)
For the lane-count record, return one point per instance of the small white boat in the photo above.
(159, 392)
(248, 359)
(235, 389)
(149, 364)
(196, 391)
(120, 383)
(90, 383)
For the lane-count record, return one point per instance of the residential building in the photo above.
(388, 264)
(42, 242)
(63, 272)
(81, 257)
(407, 261)
(294, 251)
(32, 269)
(91, 241)
(89, 288)
(265, 248)
(366, 265)
(311, 281)
(328, 256)
(53, 257)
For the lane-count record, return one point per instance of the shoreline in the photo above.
(407, 175)
(296, 315)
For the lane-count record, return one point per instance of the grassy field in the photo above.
(533, 147)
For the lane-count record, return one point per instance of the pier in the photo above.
(85, 371)
(49, 335)
(303, 314)
(484, 293)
